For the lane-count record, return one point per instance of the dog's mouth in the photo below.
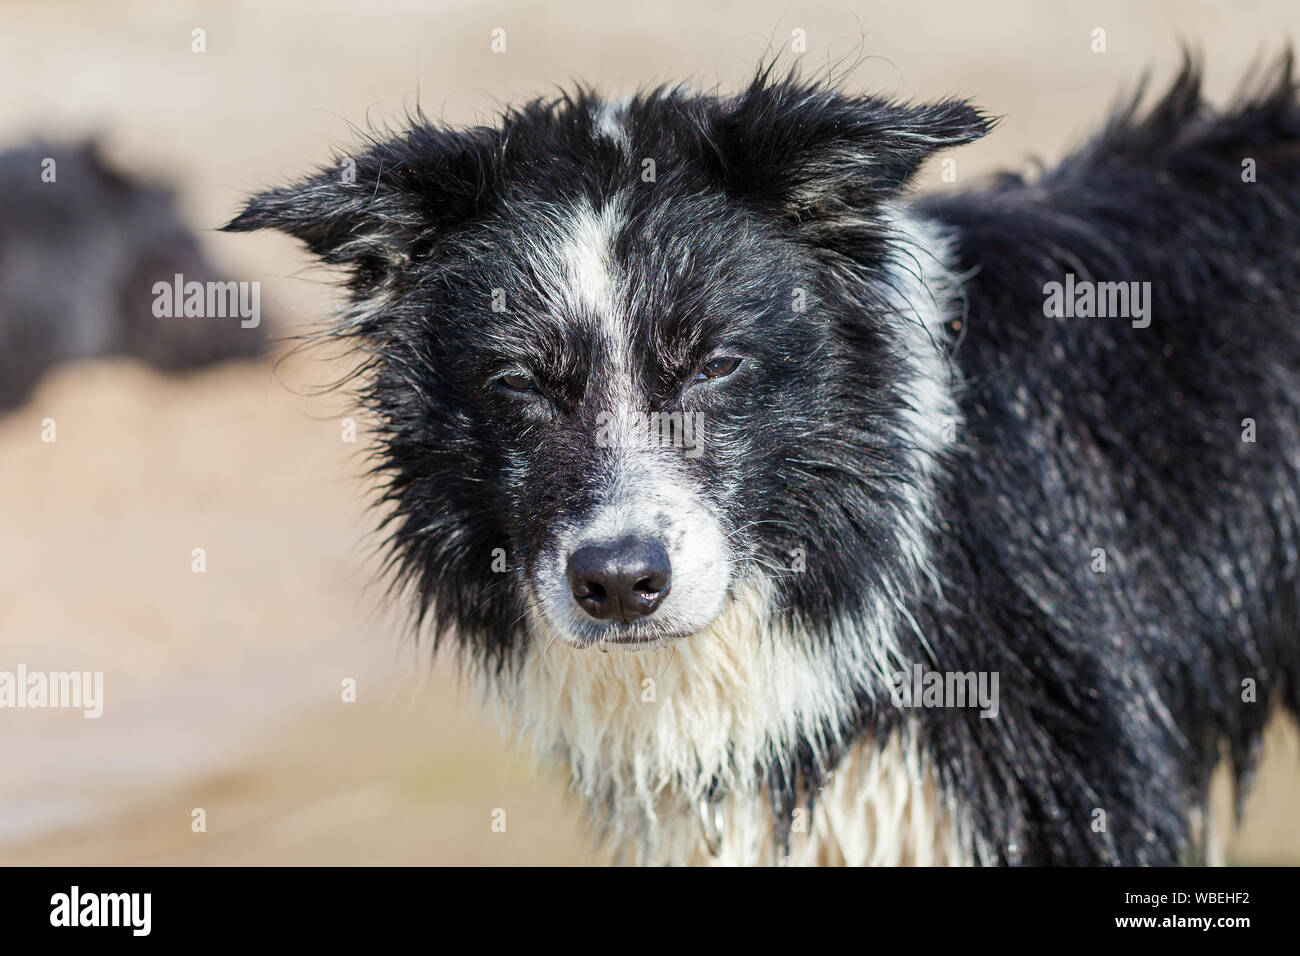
(634, 639)
(582, 633)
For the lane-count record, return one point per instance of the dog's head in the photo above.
(624, 355)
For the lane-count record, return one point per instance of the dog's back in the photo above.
(1129, 482)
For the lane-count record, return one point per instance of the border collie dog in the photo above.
(804, 520)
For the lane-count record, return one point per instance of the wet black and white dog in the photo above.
(960, 529)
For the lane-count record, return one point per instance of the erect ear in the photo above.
(387, 205)
(801, 146)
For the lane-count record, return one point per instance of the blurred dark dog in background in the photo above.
(83, 250)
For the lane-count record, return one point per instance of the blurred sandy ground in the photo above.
(223, 689)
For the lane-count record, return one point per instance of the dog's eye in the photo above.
(518, 382)
(718, 368)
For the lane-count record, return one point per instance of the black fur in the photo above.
(1119, 689)
(1089, 433)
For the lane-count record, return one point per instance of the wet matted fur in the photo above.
(914, 461)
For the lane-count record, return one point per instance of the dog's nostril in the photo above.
(652, 584)
(624, 579)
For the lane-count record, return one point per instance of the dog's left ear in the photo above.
(800, 147)
(386, 205)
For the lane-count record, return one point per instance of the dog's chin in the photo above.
(623, 638)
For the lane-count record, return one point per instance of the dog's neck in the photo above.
(669, 744)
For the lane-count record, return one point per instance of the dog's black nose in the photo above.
(622, 580)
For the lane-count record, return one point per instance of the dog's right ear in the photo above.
(389, 204)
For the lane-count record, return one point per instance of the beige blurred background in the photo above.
(222, 689)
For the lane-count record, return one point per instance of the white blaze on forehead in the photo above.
(609, 125)
(580, 278)
(577, 268)
(587, 258)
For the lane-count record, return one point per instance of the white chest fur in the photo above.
(646, 734)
